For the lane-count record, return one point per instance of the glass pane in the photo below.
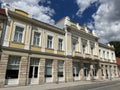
(36, 72)
(48, 68)
(18, 34)
(60, 68)
(30, 72)
(10, 74)
(34, 61)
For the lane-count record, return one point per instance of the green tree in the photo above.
(116, 45)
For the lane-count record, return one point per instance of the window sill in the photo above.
(49, 48)
(60, 50)
(36, 46)
(17, 42)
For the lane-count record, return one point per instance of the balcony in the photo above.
(86, 55)
(76, 54)
(95, 57)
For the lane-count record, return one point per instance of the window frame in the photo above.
(59, 44)
(50, 46)
(35, 31)
(13, 67)
(60, 67)
(22, 26)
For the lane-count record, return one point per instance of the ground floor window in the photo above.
(94, 70)
(33, 71)
(60, 68)
(86, 69)
(13, 67)
(76, 69)
(48, 68)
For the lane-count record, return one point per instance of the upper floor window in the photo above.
(49, 41)
(99, 52)
(92, 49)
(108, 55)
(60, 44)
(74, 46)
(103, 54)
(112, 56)
(83, 48)
(18, 34)
(36, 39)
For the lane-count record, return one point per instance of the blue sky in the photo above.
(103, 16)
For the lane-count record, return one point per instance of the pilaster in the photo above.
(55, 71)
(68, 70)
(24, 71)
(3, 67)
(42, 71)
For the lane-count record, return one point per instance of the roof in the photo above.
(106, 46)
(2, 12)
(36, 22)
(118, 60)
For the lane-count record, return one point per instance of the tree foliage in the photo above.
(116, 45)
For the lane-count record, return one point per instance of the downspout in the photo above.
(28, 58)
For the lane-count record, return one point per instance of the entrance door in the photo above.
(86, 71)
(76, 70)
(33, 71)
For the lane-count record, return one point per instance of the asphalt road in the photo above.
(113, 85)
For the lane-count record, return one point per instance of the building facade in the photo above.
(33, 52)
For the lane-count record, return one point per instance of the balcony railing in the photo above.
(76, 54)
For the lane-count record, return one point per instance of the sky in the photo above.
(103, 16)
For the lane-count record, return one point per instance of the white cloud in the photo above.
(40, 12)
(106, 19)
(83, 5)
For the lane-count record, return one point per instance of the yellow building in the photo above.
(34, 52)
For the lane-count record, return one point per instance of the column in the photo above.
(24, 71)
(3, 66)
(99, 72)
(104, 71)
(88, 47)
(55, 71)
(79, 45)
(82, 71)
(68, 70)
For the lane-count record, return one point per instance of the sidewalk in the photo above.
(54, 85)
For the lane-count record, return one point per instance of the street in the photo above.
(113, 85)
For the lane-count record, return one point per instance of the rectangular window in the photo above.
(74, 46)
(49, 41)
(13, 67)
(99, 52)
(76, 69)
(60, 68)
(83, 49)
(18, 34)
(92, 50)
(33, 71)
(36, 39)
(60, 44)
(86, 69)
(103, 54)
(48, 68)
(108, 55)
(112, 56)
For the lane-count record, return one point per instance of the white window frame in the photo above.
(39, 37)
(22, 26)
(51, 40)
(61, 47)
